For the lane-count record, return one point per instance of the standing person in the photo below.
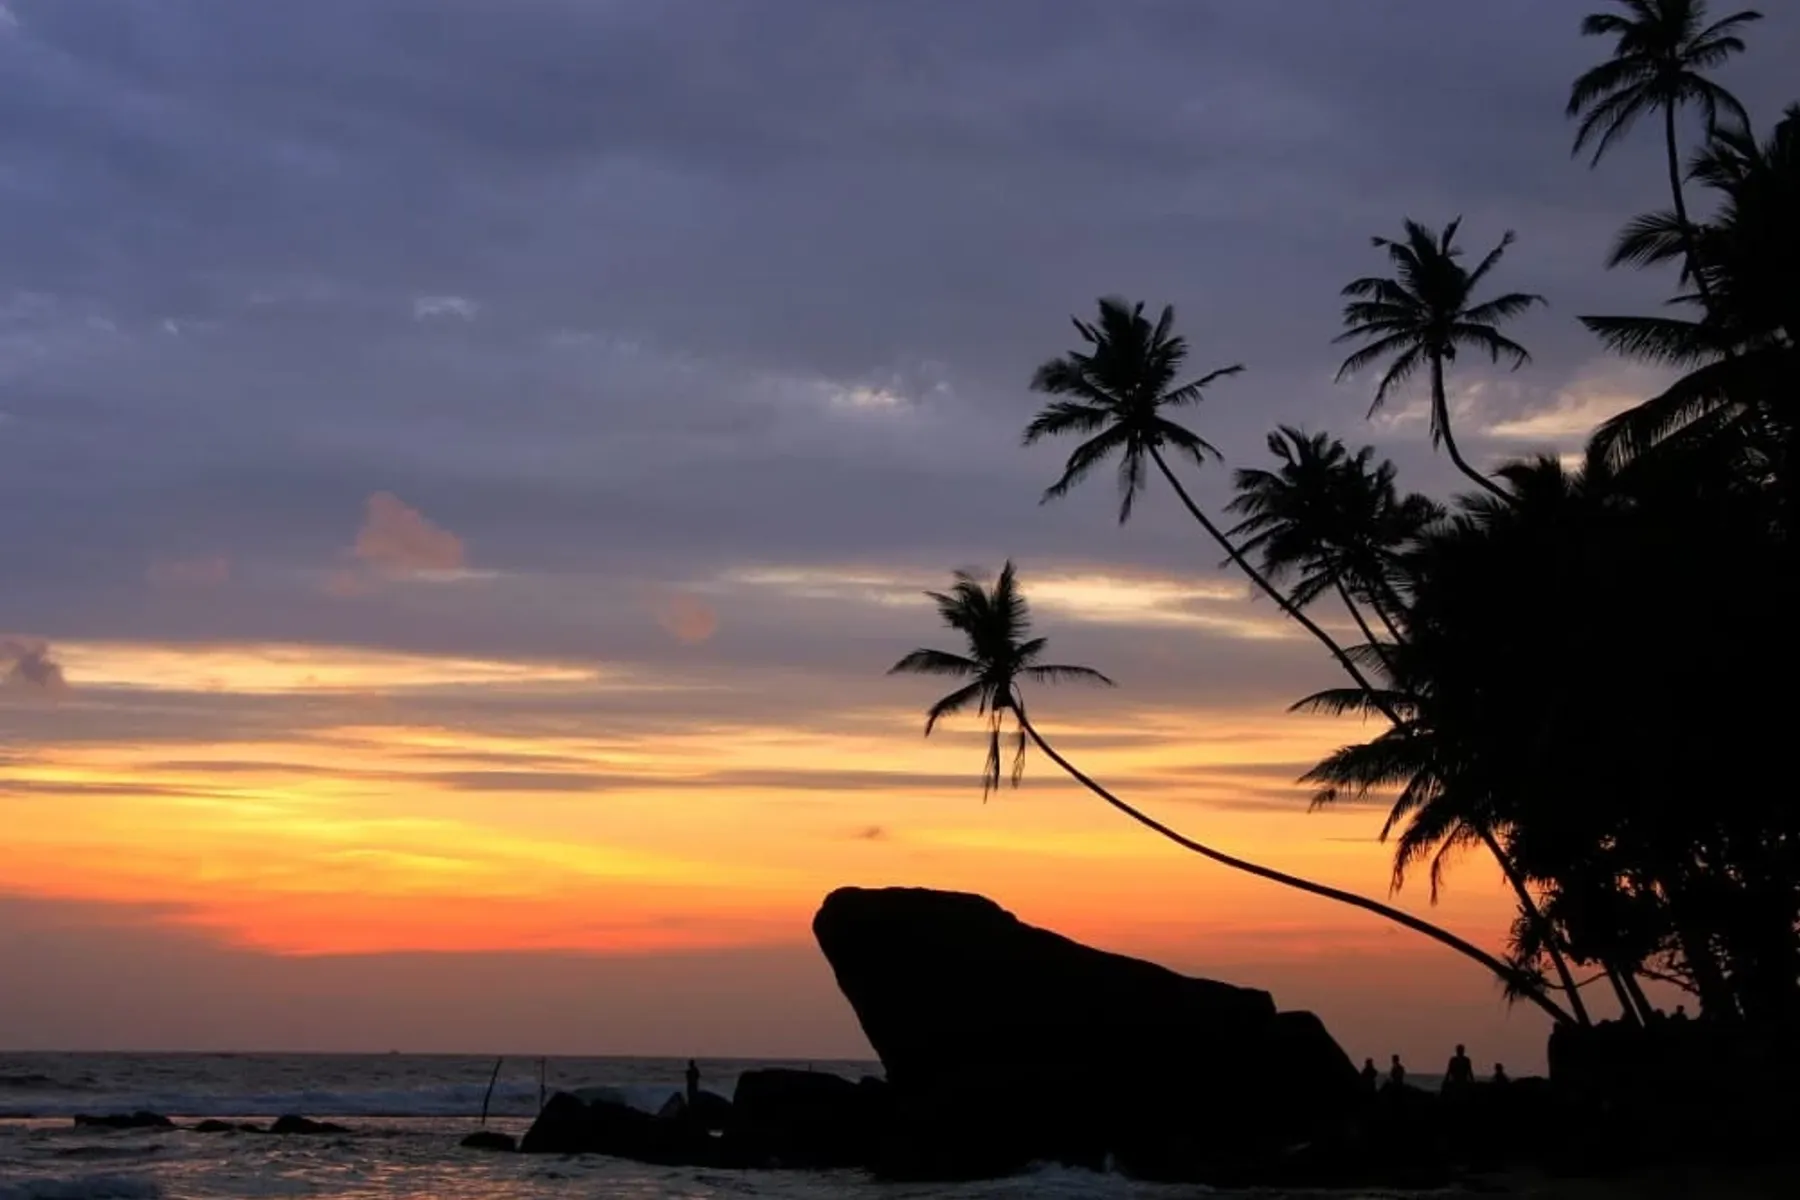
(693, 1083)
(1370, 1076)
(1396, 1075)
(1460, 1073)
(1500, 1076)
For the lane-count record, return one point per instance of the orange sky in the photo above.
(369, 830)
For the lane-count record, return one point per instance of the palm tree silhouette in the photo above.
(1117, 395)
(999, 654)
(1423, 314)
(995, 623)
(1334, 519)
(1740, 355)
(1661, 49)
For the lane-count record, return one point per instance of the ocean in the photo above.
(405, 1115)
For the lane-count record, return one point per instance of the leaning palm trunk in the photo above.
(1362, 624)
(1526, 900)
(1269, 589)
(1442, 936)
(1628, 1009)
(1545, 929)
(1440, 411)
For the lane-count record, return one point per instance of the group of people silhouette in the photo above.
(1458, 1075)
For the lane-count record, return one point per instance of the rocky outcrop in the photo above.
(1005, 1043)
(134, 1120)
(292, 1124)
(490, 1139)
(806, 1118)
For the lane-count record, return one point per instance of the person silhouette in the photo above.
(1370, 1076)
(1500, 1076)
(1396, 1075)
(1460, 1073)
(693, 1082)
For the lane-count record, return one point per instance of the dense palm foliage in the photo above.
(1574, 678)
(1584, 672)
(1418, 318)
(1331, 522)
(1116, 394)
(1661, 51)
(1738, 353)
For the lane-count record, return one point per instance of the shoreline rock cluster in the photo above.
(1004, 1045)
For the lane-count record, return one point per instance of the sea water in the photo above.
(405, 1115)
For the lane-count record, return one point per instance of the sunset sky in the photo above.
(469, 465)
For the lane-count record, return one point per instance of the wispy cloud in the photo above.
(1133, 599)
(279, 669)
(1597, 394)
(684, 616)
(427, 308)
(26, 664)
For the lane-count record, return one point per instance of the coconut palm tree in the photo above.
(1742, 354)
(996, 623)
(1117, 395)
(1333, 519)
(1422, 315)
(999, 655)
(1661, 50)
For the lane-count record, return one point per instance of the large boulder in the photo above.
(1005, 1043)
(570, 1125)
(788, 1118)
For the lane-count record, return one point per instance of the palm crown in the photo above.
(1426, 311)
(1000, 652)
(1662, 46)
(1334, 518)
(1117, 394)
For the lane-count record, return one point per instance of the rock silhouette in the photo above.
(1005, 1043)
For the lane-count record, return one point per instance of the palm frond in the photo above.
(955, 702)
(934, 662)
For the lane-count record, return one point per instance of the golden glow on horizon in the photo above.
(273, 669)
(334, 827)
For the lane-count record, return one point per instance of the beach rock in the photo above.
(1005, 1043)
(570, 1125)
(789, 1118)
(304, 1125)
(490, 1139)
(710, 1111)
(135, 1120)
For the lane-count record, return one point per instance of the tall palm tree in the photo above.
(1742, 356)
(1334, 519)
(1117, 395)
(999, 655)
(1420, 317)
(1661, 50)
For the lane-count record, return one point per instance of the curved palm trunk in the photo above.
(1526, 900)
(1690, 265)
(1440, 412)
(1441, 936)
